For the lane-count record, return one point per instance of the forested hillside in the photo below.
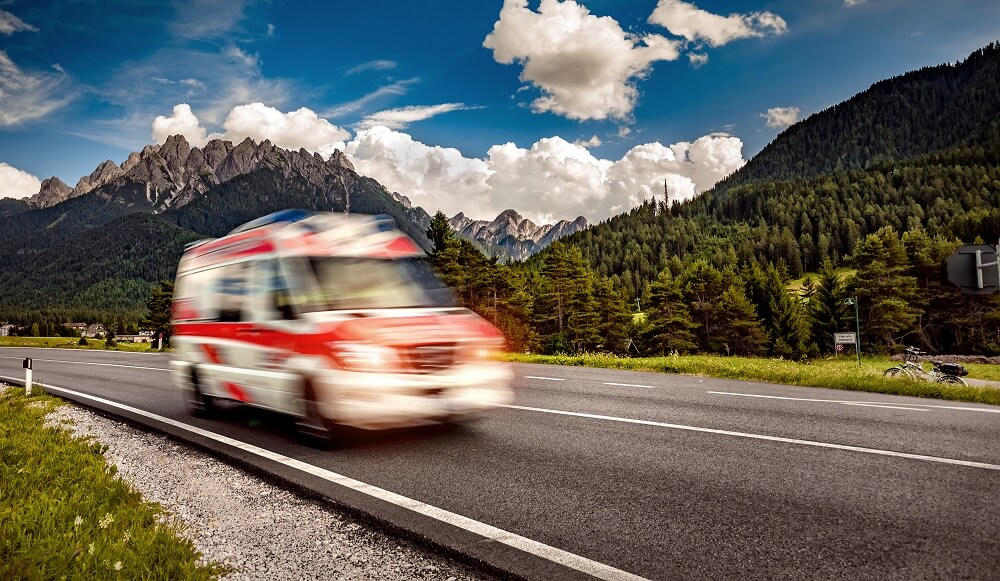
(919, 112)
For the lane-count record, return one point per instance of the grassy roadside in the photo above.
(837, 374)
(72, 343)
(64, 512)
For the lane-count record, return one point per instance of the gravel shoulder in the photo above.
(261, 530)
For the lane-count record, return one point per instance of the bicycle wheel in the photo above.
(893, 372)
(952, 379)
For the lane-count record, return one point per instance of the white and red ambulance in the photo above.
(334, 320)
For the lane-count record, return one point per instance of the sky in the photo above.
(556, 109)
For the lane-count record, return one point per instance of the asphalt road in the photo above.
(659, 476)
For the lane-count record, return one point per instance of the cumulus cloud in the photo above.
(594, 141)
(27, 96)
(697, 25)
(551, 180)
(697, 59)
(294, 130)
(9, 24)
(779, 117)
(585, 66)
(181, 122)
(402, 117)
(15, 183)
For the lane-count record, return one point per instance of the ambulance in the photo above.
(333, 320)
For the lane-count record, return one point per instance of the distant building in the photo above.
(93, 330)
(79, 328)
(5, 329)
(130, 338)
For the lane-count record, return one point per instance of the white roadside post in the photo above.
(27, 375)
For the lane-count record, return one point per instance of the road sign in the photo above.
(845, 338)
(974, 269)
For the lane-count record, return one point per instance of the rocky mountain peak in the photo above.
(52, 191)
(510, 234)
(339, 159)
(104, 173)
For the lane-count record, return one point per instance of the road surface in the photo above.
(619, 475)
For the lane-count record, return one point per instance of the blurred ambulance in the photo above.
(333, 320)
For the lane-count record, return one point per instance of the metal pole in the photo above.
(27, 376)
(857, 329)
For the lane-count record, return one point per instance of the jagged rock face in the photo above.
(52, 192)
(512, 235)
(174, 173)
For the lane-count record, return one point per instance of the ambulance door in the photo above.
(230, 349)
(274, 336)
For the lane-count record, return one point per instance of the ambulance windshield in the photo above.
(346, 283)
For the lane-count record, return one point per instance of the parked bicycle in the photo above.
(940, 372)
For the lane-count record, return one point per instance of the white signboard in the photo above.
(845, 338)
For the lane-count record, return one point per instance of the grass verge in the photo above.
(836, 374)
(72, 343)
(66, 514)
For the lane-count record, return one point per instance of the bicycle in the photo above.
(940, 372)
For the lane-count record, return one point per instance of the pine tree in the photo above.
(670, 324)
(884, 290)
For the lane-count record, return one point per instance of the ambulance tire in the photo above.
(200, 404)
(311, 426)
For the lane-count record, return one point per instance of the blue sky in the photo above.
(556, 109)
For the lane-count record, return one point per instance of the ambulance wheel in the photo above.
(200, 404)
(311, 426)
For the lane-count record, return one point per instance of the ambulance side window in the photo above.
(194, 297)
(277, 295)
(233, 292)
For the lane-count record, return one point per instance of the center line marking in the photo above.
(556, 555)
(628, 385)
(87, 363)
(876, 451)
(545, 378)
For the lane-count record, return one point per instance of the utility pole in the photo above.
(857, 326)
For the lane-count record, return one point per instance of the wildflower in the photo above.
(118, 566)
(106, 520)
(126, 536)
(78, 521)
(90, 548)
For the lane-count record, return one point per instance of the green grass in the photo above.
(66, 514)
(842, 373)
(71, 343)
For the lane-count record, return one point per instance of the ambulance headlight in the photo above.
(365, 357)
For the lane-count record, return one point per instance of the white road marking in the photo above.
(628, 385)
(571, 560)
(545, 378)
(875, 451)
(33, 359)
(878, 405)
(923, 405)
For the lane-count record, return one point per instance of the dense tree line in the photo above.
(559, 303)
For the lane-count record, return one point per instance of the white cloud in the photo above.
(585, 66)
(779, 117)
(294, 130)
(182, 122)
(850, 3)
(376, 65)
(29, 96)
(403, 116)
(244, 58)
(206, 19)
(697, 59)
(696, 25)
(594, 141)
(9, 24)
(15, 183)
(553, 179)
(397, 88)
